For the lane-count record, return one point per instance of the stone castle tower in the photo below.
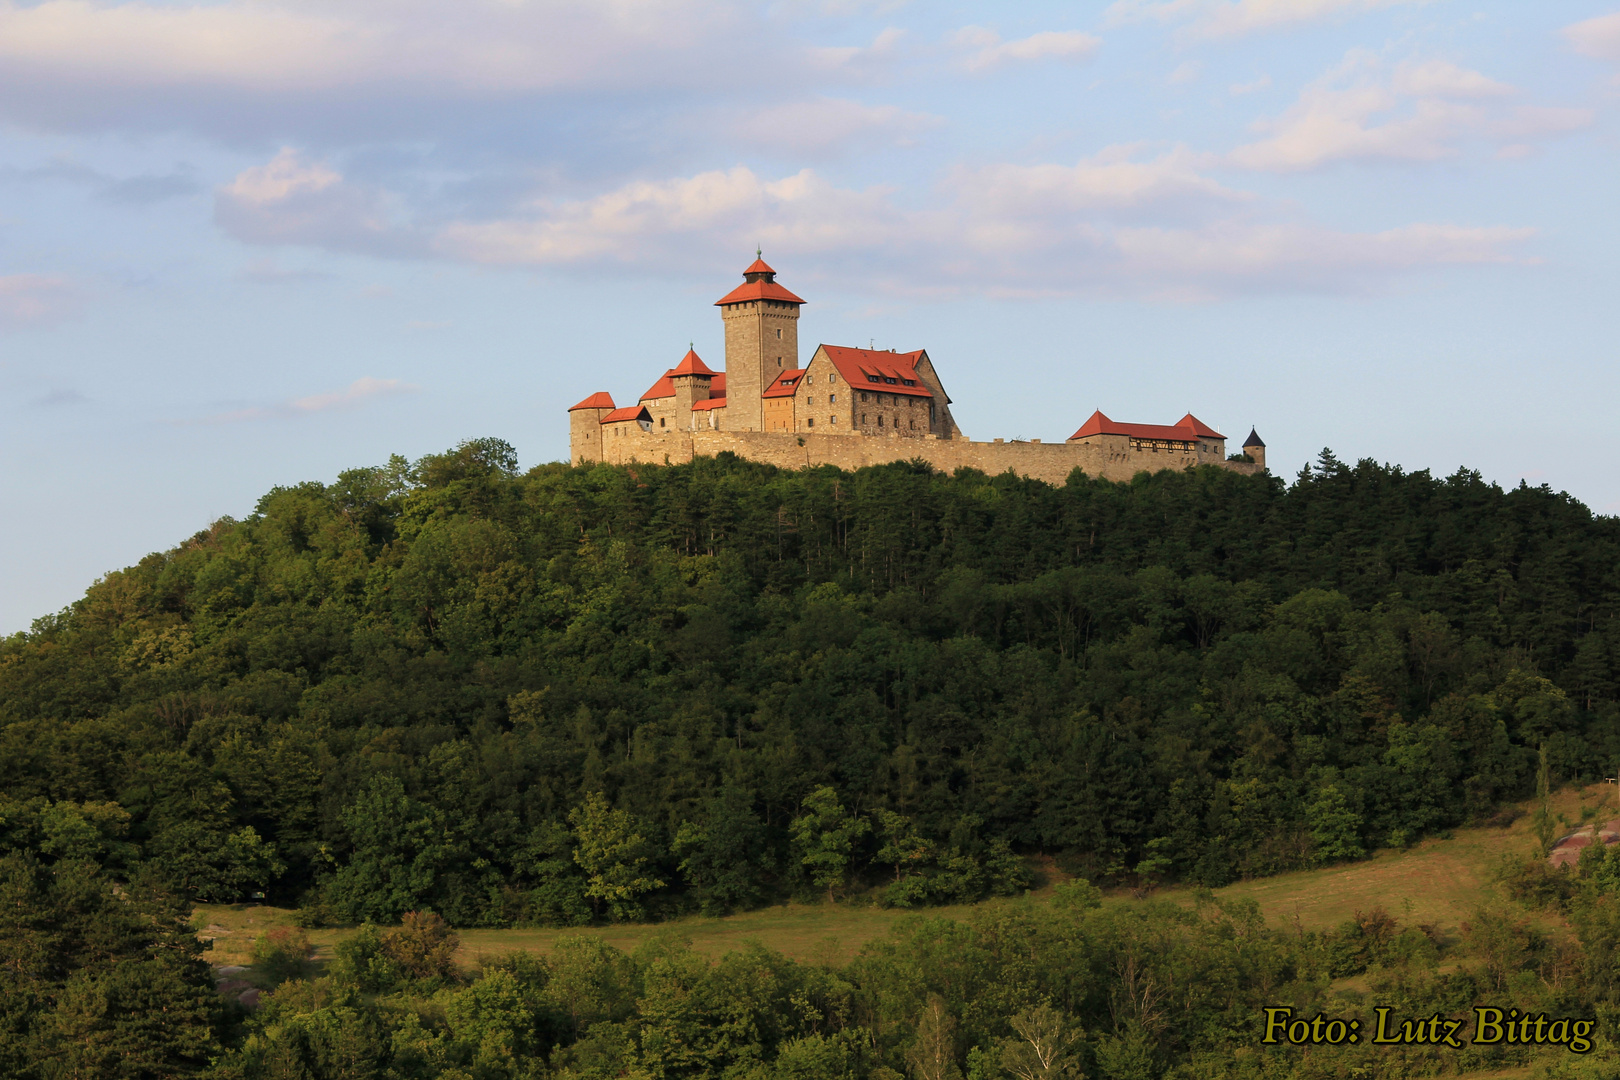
(762, 341)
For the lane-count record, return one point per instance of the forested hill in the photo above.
(608, 692)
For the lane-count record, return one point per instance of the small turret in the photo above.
(585, 428)
(1255, 448)
(691, 378)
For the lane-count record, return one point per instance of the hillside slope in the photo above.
(584, 694)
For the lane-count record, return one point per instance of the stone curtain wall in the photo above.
(1051, 462)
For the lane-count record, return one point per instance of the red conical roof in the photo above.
(599, 400)
(759, 267)
(692, 364)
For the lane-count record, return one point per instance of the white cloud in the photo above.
(1005, 231)
(1420, 111)
(290, 200)
(355, 394)
(884, 49)
(473, 46)
(34, 299)
(823, 126)
(989, 51)
(1440, 78)
(1229, 18)
(1185, 73)
(362, 389)
(660, 223)
(1239, 89)
(1599, 37)
(1240, 257)
(240, 69)
(1112, 180)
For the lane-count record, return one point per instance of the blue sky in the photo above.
(257, 242)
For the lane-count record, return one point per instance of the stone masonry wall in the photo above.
(1051, 462)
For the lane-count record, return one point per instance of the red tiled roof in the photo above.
(599, 400)
(871, 369)
(634, 412)
(786, 384)
(758, 266)
(709, 403)
(1099, 424)
(757, 290)
(660, 389)
(691, 364)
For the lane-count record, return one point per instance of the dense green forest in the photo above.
(604, 693)
(459, 695)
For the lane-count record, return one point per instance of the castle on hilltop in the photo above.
(852, 407)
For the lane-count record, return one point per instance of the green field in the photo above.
(1438, 881)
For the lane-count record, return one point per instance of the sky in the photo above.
(254, 243)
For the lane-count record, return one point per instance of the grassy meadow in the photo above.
(1438, 881)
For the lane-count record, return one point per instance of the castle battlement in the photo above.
(851, 407)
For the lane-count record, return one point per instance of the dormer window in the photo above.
(887, 379)
(909, 382)
(873, 378)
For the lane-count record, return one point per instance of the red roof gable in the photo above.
(758, 266)
(1199, 426)
(634, 412)
(660, 389)
(1186, 431)
(878, 369)
(691, 364)
(786, 384)
(599, 400)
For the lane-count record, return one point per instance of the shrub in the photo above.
(423, 947)
(282, 955)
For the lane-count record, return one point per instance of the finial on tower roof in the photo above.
(759, 252)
